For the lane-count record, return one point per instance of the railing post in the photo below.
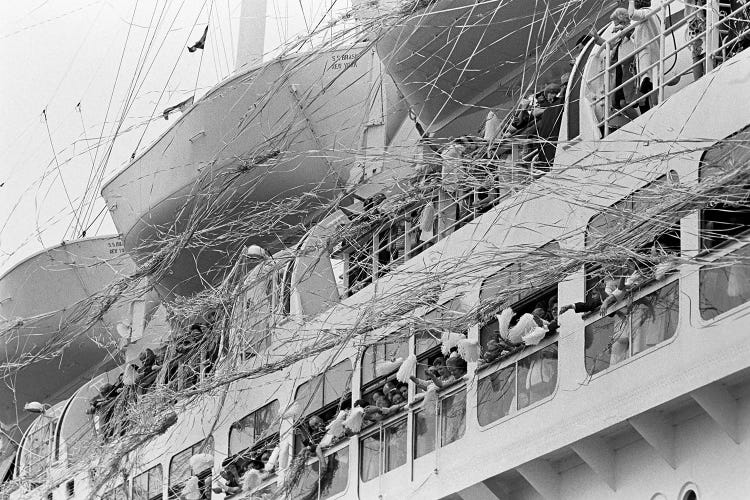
(712, 33)
(347, 265)
(407, 238)
(374, 252)
(607, 70)
(662, 77)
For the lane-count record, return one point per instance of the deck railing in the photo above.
(717, 33)
(401, 237)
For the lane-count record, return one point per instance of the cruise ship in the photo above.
(487, 250)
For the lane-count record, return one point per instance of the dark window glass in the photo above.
(325, 388)
(244, 433)
(537, 376)
(332, 482)
(728, 217)
(179, 469)
(424, 434)
(148, 485)
(395, 445)
(725, 284)
(369, 457)
(452, 417)
(388, 349)
(649, 321)
(496, 395)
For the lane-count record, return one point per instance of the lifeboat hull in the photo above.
(247, 164)
(43, 302)
(460, 56)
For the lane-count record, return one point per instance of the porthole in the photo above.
(690, 495)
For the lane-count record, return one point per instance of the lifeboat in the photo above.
(53, 334)
(235, 169)
(459, 57)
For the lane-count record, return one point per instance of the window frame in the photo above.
(264, 437)
(418, 407)
(193, 449)
(716, 254)
(514, 360)
(630, 198)
(650, 287)
(379, 430)
(148, 486)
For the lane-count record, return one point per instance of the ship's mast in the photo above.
(252, 33)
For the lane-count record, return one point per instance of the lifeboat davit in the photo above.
(458, 57)
(235, 168)
(46, 301)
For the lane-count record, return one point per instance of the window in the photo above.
(522, 290)
(384, 448)
(725, 284)
(326, 388)
(728, 216)
(528, 380)
(379, 384)
(179, 469)
(37, 448)
(443, 318)
(322, 396)
(634, 222)
(70, 488)
(633, 328)
(332, 482)
(116, 493)
(451, 417)
(148, 485)
(247, 431)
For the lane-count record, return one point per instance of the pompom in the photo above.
(503, 322)
(336, 428)
(535, 336)
(354, 421)
(406, 369)
(191, 491)
(429, 403)
(327, 440)
(526, 324)
(251, 480)
(386, 367)
(201, 462)
(469, 350)
(131, 372)
(273, 460)
(449, 341)
(292, 412)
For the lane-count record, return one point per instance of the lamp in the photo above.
(255, 252)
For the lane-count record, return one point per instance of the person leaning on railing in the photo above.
(645, 37)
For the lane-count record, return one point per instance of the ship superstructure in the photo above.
(544, 312)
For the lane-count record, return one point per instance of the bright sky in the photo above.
(59, 53)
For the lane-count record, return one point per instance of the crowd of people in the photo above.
(181, 368)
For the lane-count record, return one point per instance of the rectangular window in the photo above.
(116, 493)
(369, 456)
(424, 434)
(331, 483)
(394, 438)
(325, 388)
(728, 216)
(244, 433)
(725, 284)
(496, 394)
(385, 448)
(452, 417)
(646, 322)
(514, 387)
(148, 485)
(179, 469)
